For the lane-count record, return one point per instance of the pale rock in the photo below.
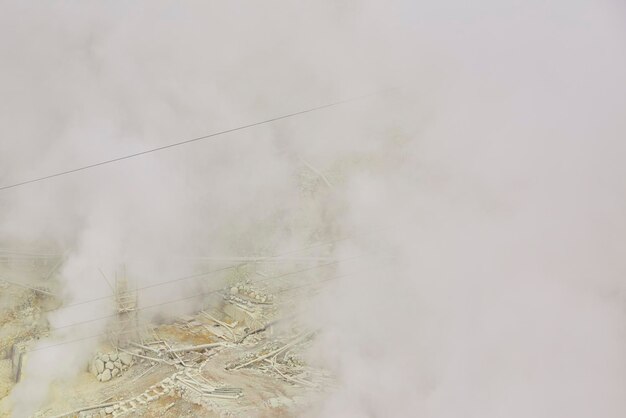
(115, 372)
(113, 356)
(108, 409)
(234, 290)
(126, 358)
(117, 364)
(104, 358)
(99, 377)
(106, 375)
(110, 365)
(99, 365)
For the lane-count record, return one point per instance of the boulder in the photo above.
(117, 364)
(115, 372)
(106, 375)
(110, 365)
(113, 356)
(99, 364)
(126, 358)
(104, 358)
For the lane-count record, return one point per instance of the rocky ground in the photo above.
(231, 360)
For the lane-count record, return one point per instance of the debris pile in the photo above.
(250, 308)
(279, 360)
(196, 388)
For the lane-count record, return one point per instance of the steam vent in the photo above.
(234, 346)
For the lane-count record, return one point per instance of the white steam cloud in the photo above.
(490, 182)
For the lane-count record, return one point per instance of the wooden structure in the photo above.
(126, 327)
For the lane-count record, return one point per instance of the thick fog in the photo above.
(481, 183)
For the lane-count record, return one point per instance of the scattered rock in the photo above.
(126, 358)
(99, 365)
(106, 375)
